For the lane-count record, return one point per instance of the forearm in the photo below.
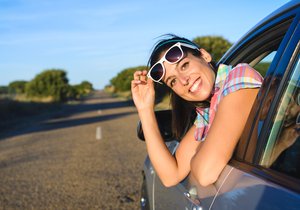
(207, 165)
(162, 160)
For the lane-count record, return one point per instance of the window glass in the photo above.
(263, 65)
(282, 151)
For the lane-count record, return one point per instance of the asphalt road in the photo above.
(84, 156)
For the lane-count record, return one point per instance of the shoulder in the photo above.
(244, 70)
(240, 77)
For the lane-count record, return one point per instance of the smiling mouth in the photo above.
(195, 85)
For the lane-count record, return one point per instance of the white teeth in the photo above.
(195, 85)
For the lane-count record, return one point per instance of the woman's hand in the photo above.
(142, 90)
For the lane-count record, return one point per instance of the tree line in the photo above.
(52, 85)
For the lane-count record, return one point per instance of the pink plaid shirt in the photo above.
(228, 80)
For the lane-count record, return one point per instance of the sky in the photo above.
(94, 40)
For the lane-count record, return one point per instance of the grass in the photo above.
(13, 112)
(10, 108)
(161, 105)
(16, 110)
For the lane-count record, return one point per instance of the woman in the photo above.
(221, 99)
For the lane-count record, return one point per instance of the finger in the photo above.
(134, 84)
(143, 76)
(145, 72)
(150, 83)
(136, 75)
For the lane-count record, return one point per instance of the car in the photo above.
(264, 171)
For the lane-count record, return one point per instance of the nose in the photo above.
(184, 80)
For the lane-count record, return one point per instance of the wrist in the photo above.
(146, 113)
(145, 109)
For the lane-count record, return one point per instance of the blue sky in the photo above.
(95, 39)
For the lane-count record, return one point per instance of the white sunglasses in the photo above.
(173, 55)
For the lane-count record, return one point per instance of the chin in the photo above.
(202, 96)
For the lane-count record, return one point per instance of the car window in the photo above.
(263, 54)
(282, 152)
(263, 65)
(259, 45)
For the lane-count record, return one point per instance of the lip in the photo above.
(195, 85)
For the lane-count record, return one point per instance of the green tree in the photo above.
(82, 89)
(86, 86)
(215, 45)
(262, 67)
(50, 83)
(3, 89)
(122, 82)
(72, 93)
(17, 87)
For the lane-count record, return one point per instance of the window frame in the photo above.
(281, 66)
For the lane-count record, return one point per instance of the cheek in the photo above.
(178, 91)
(212, 77)
(210, 80)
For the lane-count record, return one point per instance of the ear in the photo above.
(205, 55)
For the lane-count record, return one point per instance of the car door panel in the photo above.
(190, 194)
(245, 191)
(169, 197)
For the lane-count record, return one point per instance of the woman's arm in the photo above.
(225, 131)
(171, 170)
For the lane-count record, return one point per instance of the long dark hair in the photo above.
(183, 112)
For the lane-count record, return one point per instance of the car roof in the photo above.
(278, 12)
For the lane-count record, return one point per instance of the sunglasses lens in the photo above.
(174, 55)
(157, 72)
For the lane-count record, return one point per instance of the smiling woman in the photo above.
(201, 92)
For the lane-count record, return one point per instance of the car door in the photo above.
(266, 165)
(269, 175)
(271, 46)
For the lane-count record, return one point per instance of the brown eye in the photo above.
(173, 82)
(185, 66)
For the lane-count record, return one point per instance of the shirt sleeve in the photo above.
(241, 77)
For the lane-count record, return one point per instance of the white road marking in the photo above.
(98, 133)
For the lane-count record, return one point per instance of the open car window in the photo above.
(263, 53)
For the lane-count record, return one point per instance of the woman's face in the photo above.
(192, 78)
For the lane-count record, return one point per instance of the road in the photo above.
(84, 156)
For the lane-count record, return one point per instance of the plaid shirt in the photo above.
(228, 80)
